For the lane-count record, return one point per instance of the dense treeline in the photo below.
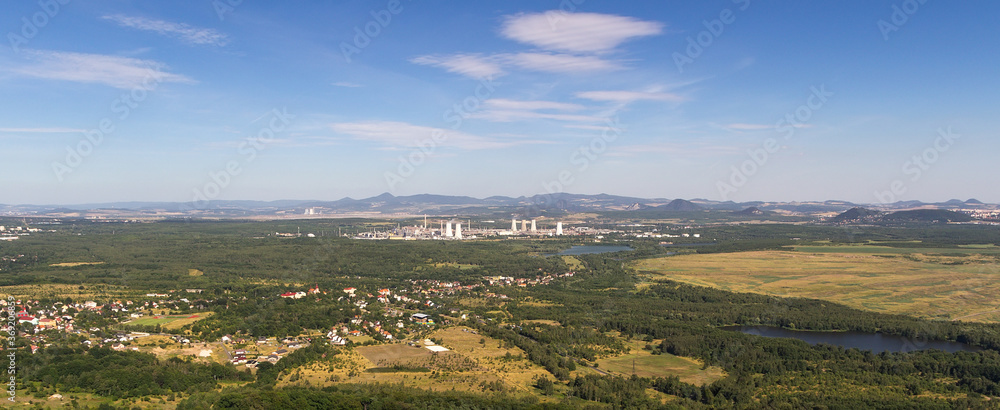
(591, 313)
(121, 374)
(267, 374)
(156, 258)
(270, 316)
(369, 396)
(685, 318)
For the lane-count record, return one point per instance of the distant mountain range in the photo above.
(863, 215)
(523, 206)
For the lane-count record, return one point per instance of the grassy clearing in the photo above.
(544, 322)
(72, 264)
(170, 321)
(688, 370)
(872, 249)
(907, 282)
(461, 266)
(573, 263)
(195, 272)
(507, 363)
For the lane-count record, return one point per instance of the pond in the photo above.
(587, 249)
(876, 342)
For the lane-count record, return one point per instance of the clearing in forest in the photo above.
(938, 285)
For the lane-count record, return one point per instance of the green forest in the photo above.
(563, 326)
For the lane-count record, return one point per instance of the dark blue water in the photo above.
(876, 342)
(586, 249)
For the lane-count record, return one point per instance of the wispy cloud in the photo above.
(562, 63)
(115, 71)
(188, 34)
(628, 96)
(503, 110)
(565, 43)
(469, 65)
(576, 32)
(514, 115)
(505, 104)
(404, 135)
(346, 84)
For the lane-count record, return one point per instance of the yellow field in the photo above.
(573, 263)
(464, 368)
(72, 264)
(195, 272)
(688, 370)
(940, 286)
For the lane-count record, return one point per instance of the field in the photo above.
(889, 250)
(947, 283)
(169, 321)
(468, 365)
(72, 264)
(649, 365)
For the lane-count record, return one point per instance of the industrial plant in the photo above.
(452, 229)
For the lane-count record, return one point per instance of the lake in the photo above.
(876, 342)
(587, 249)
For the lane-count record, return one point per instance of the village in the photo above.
(159, 323)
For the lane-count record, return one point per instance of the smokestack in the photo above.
(458, 231)
(524, 225)
(533, 225)
(513, 225)
(559, 228)
(447, 231)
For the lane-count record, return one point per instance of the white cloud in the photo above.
(404, 135)
(118, 72)
(628, 96)
(187, 33)
(346, 84)
(503, 104)
(469, 65)
(503, 110)
(515, 115)
(576, 32)
(562, 63)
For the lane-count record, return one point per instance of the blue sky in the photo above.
(867, 101)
